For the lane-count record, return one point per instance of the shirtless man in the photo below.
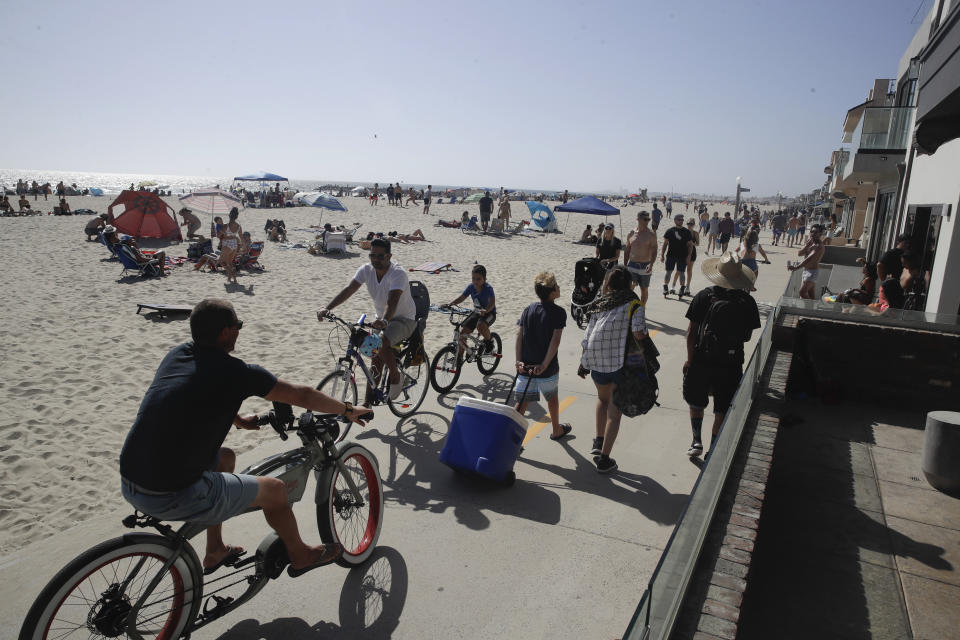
(813, 251)
(640, 253)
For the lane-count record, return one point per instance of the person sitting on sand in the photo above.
(191, 222)
(5, 205)
(94, 227)
(24, 204)
(64, 207)
(587, 236)
(141, 258)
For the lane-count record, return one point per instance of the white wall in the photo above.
(935, 180)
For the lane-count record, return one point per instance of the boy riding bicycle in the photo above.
(485, 309)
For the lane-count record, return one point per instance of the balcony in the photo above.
(878, 143)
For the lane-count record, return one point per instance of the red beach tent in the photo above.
(145, 215)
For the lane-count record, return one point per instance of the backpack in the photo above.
(637, 390)
(720, 335)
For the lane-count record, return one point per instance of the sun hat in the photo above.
(109, 229)
(729, 272)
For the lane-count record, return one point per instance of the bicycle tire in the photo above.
(488, 362)
(338, 519)
(445, 362)
(339, 385)
(90, 574)
(414, 392)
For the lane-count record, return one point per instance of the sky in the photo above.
(680, 96)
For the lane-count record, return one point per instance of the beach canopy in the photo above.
(145, 215)
(213, 201)
(262, 176)
(473, 198)
(588, 204)
(320, 199)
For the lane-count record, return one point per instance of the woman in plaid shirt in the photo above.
(614, 314)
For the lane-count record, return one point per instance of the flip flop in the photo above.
(566, 431)
(233, 554)
(331, 553)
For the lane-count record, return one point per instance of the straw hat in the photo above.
(728, 272)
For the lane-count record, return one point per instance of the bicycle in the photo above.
(147, 585)
(448, 363)
(341, 383)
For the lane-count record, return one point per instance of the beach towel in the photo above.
(164, 309)
(434, 267)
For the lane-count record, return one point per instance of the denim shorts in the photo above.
(603, 379)
(212, 499)
(549, 387)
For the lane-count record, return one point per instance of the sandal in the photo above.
(233, 554)
(566, 431)
(331, 553)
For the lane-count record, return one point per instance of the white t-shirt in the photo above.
(395, 278)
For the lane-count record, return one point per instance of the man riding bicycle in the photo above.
(485, 309)
(389, 287)
(172, 464)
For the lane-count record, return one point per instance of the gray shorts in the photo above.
(214, 498)
(399, 329)
(640, 272)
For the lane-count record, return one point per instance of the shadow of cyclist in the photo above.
(371, 602)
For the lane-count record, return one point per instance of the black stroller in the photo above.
(587, 279)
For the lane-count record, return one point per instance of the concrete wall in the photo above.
(935, 180)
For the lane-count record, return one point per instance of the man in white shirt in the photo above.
(427, 196)
(389, 287)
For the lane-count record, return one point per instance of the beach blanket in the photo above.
(434, 267)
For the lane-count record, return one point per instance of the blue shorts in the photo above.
(212, 499)
(680, 264)
(549, 387)
(600, 378)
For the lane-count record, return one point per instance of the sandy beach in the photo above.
(77, 357)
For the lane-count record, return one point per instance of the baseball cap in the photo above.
(679, 216)
(608, 226)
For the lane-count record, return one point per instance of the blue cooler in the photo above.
(485, 439)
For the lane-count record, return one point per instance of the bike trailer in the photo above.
(485, 439)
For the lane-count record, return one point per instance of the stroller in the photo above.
(587, 279)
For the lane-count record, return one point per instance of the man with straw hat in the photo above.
(722, 317)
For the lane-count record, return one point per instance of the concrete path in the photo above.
(564, 553)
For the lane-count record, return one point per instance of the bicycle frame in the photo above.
(353, 357)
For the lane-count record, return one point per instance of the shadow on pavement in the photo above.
(414, 476)
(371, 602)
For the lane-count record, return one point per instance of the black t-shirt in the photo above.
(486, 204)
(608, 249)
(891, 263)
(733, 330)
(537, 323)
(677, 241)
(186, 414)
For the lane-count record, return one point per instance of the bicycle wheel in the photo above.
(415, 379)
(96, 591)
(339, 385)
(340, 518)
(487, 363)
(445, 369)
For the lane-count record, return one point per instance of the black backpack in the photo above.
(421, 299)
(637, 390)
(721, 332)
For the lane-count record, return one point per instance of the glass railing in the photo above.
(883, 128)
(657, 612)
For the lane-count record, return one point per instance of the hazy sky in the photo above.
(670, 95)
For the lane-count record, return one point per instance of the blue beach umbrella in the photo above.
(541, 215)
(589, 205)
(320, 199)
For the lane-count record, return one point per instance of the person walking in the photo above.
(721, 319)
(714, 233)
(614, 316)
(486, 210)
(692, 227)
(640, 254)
(675, 253)
(427, 196)
(656, 215)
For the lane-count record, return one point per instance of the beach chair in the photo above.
(252, 259)
(129, 262)
(470, 227)
(519, 228)
(348, 233)
(333, 241)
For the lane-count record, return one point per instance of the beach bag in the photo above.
(195, 250)
(637, 389)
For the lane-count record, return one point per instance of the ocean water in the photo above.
(114, 183)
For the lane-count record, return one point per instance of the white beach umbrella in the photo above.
(212, 201)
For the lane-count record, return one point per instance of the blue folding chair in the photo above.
(129, 261)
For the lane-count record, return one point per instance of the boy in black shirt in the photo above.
(677, 246)
(721, 318)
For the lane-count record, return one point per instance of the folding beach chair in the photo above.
(111, 247)
(471, 226)
(129, 262)
(333, 241)
(252, 259)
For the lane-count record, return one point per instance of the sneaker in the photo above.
(695, 450)
(666, 290)
(597, 446)
(605, 464)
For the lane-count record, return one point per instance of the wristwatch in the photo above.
(347, 408)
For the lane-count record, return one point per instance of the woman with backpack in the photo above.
(616, 320)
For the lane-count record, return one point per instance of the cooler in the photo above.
(484, 438)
